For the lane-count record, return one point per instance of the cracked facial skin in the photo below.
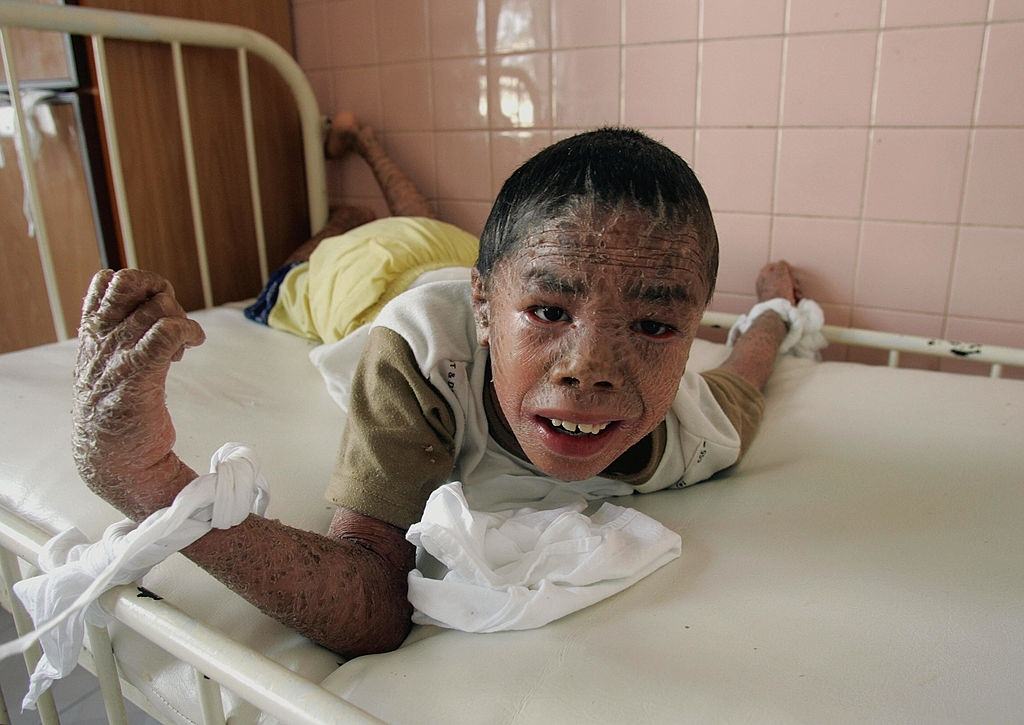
(590, 320)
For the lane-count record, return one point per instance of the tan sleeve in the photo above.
(398, 444)
(742, 402)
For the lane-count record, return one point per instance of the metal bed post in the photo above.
(209, 700)
(102, 24)
(190, 169)
(10, 573)
(250, 154)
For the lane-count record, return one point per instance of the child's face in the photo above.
(590, 321)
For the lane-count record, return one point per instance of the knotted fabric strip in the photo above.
(804, 321)
(523, 568)
(65, 597)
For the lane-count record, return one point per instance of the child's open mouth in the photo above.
(573, 438)
(577, 429)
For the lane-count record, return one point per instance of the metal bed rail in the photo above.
(217, 660)
(103, 24)
(993, 355)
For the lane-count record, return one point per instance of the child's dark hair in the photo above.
(614, 168)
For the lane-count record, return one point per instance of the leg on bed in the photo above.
(343, 218)
(402, 196)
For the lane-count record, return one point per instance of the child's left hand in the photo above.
(777, 279)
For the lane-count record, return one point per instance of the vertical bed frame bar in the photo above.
(209, 700)
(254, 176)
(28, 172)
(102, 24)
(10, 574)
(106, 672)
(124, 219)
(190, 170)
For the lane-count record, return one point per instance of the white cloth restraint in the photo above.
(64, 598)
(804, 320)
(524, 568)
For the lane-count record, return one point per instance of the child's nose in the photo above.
(590, 363)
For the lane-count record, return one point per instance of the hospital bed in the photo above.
(863, 562)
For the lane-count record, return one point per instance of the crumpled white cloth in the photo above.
(64, 598)
(805, 321)
(524, 568)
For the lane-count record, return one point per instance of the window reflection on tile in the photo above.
(460, 93)
(519, 25)
(519, 90)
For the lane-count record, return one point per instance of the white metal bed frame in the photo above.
(217, 660)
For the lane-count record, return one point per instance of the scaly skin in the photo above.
(132, 329)
(345, 590)
(402, 196)
(753, 355)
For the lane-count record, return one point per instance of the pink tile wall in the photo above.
(878, 146)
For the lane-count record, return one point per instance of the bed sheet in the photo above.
(246, 383)
(862, 562)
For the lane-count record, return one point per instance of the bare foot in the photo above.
(778, 279)
(132, 329)
(342, 136)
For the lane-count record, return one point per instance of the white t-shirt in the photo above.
(436, 320)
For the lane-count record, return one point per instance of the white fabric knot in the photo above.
(524, 568)
(65, 597)
(804, 320)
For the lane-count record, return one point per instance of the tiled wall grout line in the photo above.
(766, 127)
(776, 162)
(968, 157)
(861, 127)
(872, 115)
(622, 61)
(794, 34)
(698, 85)
(903, 237)
(436, 200)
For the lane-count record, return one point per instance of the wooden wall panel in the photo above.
(147, 118)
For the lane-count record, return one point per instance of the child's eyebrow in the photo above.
(547, 281)
(661, 294)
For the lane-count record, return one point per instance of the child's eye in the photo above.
(653, 328)
(550, 314)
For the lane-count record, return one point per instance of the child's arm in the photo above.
(346, 590)
(753, 355)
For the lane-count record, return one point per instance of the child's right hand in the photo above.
(132, 330)
(777, 279)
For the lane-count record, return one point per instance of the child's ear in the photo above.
(481, 311)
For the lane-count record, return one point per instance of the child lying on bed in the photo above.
(596, 263)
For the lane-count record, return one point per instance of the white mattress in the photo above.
(863, 562)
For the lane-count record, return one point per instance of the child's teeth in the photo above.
(571, 427)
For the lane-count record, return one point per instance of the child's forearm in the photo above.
(753, 355)
(341, 592)
(346, 591)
